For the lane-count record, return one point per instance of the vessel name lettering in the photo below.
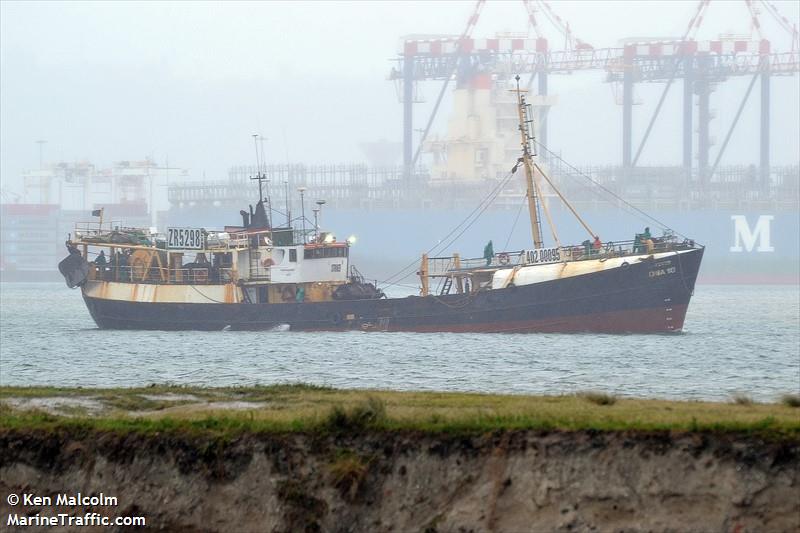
(662, 272)
(543, 255)
(185, 238)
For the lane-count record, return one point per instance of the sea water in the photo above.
(737, 340)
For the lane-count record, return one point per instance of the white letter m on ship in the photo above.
(743, 235)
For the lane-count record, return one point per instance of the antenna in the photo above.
(269, 207)
(258, 161)
(258, 169)
(261, 140)
(302, 190)
(317, 218)
(288, 204)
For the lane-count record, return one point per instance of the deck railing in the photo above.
(235, 241)
(93, 234)
(446, 265)
(163, 276)
(96, 229)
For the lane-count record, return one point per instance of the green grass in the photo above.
(309, 408)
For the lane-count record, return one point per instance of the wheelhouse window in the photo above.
(320, 253)
(293, 256)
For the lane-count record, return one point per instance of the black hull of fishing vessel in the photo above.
(642, 297)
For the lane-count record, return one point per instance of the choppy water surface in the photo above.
(738, 339)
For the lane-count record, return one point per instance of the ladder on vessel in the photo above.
(448, 283)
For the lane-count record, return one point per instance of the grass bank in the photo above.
(309, 408)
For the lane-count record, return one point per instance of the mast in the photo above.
(258, 169)
(288, 204)
(526, 135)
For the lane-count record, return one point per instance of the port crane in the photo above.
(700, 64)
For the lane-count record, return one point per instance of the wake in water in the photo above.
(279, 327)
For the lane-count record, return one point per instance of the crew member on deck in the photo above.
(596, 245)
(643, 241)
(123, 263)
(488, 253)
(647, 240)
(100, 263)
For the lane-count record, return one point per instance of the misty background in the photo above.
(188, 83)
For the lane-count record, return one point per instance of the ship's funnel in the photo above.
(259, 218)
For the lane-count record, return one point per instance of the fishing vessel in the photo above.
(259, 276)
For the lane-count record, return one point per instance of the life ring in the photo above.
(268, 262)
(503, 258)
(140, 262)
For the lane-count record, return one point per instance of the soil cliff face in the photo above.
(375, 481)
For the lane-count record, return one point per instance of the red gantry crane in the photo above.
(700, 64)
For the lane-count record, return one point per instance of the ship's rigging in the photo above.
(533, 197)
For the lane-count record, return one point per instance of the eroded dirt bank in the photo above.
(505, 481)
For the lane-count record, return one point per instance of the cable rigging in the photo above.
(444, 242)
(608, 191)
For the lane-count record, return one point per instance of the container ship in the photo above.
(258, 276)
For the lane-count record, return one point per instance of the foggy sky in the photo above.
(191, 82)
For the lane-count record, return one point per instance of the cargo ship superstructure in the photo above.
(256, 276)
